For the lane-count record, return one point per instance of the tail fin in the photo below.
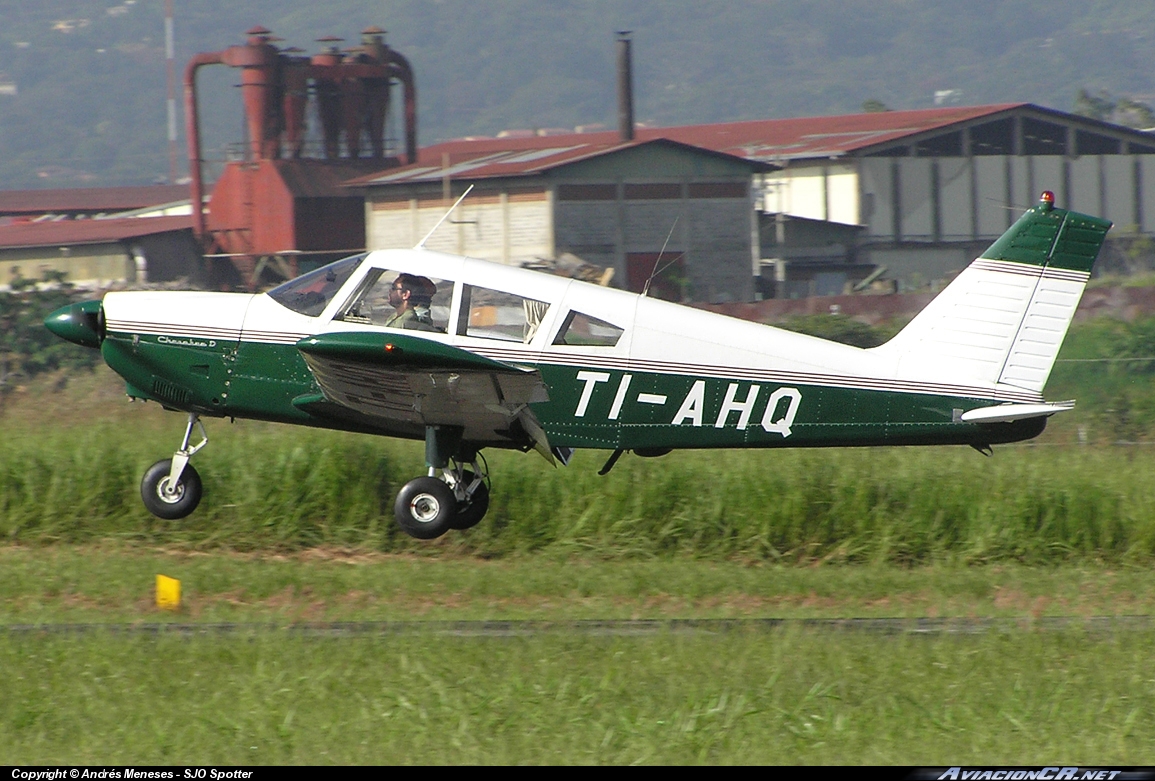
(1004, 317)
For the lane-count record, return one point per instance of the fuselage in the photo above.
(620, 370)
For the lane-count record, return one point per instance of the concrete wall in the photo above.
(510, 226)
(959, 199)
(818, 192)
(947, 199)
(165, 257)
(92, 265)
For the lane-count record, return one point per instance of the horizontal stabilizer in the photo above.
(1005, 413)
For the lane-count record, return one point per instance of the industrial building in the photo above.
(101, 253)
(921, 193)
(905, 196)
(98, 237)
(631, 206)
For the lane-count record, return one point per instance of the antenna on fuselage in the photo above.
(657, 270)
(444, 217)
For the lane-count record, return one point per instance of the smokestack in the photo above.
(625, 88)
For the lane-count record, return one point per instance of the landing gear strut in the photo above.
(427, 507)
(171, 489)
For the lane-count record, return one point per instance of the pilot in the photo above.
(411, 296)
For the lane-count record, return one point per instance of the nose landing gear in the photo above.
(171, 489)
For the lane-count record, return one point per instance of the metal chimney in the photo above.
(625, 88)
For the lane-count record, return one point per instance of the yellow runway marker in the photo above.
(167, 593)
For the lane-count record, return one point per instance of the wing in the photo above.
(402, 383)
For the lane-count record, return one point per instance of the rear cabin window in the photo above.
(396, 300)
(493, 314)
(581, 329)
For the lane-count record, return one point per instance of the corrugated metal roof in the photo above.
(89, 199)
(761, 140)
(809, 137)
(487, 158)
(74, 232)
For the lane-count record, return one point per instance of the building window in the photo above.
(587, 192)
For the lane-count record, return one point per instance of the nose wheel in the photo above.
(171, 489)
(169, 499)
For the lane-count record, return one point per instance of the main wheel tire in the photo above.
(172, 505)
(469, 515)
(425, 508)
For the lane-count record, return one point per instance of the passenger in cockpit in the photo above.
(411, 297)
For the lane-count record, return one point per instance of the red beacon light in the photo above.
(1047, 200)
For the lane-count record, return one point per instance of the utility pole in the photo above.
(170, 78)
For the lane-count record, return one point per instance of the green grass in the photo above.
(114, 583)
(285, 488)
(791, 696)
(295, 527)
(66, 583)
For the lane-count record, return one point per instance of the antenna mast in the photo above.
(656, 270)
(421, 244)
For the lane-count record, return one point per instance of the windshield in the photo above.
(311, 293)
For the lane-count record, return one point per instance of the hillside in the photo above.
(89, 77)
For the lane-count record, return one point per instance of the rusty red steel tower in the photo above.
(280, 205)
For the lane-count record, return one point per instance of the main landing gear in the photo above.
(454, 495)
(427, 507)
(171, 489)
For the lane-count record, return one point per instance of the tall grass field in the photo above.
(296, 526)
(288, 488)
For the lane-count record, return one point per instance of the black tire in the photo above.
(173, 506)
(425, 508)
(469, 515)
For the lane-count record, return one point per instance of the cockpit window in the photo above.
(311, 293)
(580, 329)
(394, 300)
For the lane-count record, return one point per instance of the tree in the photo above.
(1134, 114)
(1100, 106)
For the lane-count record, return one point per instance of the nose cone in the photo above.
(81, 323)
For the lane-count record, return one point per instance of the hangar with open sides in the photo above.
(918, 194)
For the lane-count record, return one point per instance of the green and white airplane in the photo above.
(467, 354)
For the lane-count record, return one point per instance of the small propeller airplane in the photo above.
(466, 354)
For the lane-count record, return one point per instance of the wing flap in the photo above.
(420, 383)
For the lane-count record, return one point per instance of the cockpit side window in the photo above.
(310, 293)
(586, 331)
(493, 314)
(399, 300)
